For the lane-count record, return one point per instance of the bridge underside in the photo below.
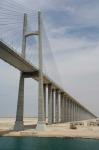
(61, 106)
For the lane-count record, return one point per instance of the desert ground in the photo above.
(55, 130)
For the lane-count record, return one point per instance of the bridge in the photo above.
(62, 107)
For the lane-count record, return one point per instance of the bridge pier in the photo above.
(50, 104)
(66, 109)
(78, 113)
(44, 90)
(70, 110)
(73, 107)
(62, 107)
(19, 125)
(56, 106)
(75, 112)
(53, 106)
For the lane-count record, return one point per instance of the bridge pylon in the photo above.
(41, 124)
(19, 124)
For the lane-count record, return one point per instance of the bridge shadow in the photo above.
(26, 127)
(32, 126)
(3, 132)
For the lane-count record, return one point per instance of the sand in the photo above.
(55, 130)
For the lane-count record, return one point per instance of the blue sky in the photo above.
(72, 28)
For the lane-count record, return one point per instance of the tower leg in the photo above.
(41, 113)
(20, 106)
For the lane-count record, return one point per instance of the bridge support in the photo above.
(67, 109)
(44, 89)
(72, 110)
(41, 125)
(75, 112)
(53, 107)
(78, 112)
(56, 106)
(66, 112)
(62, 107)
(20, 106)
(50, 106)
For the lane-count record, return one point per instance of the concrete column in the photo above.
(41, 116)
(73, 111)
(20, 106)
(76, 117)
(77, 112)
(50, 109)
(56, 106)
(67, 109)
(44, 89)
(85, 115)
(53, 106)
(62, 107)
(66, 115)
(70, 107)
(73, 106)
(80, 113)
(59, 99)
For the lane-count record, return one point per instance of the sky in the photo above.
(72, 27)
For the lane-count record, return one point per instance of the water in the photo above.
(29, 143)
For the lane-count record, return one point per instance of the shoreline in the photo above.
(64, 137)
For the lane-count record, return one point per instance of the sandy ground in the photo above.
(55, 130)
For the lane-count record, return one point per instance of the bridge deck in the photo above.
(14, 59)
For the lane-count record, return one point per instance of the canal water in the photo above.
(29, 143)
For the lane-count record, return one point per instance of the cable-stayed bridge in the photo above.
(62, 107)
